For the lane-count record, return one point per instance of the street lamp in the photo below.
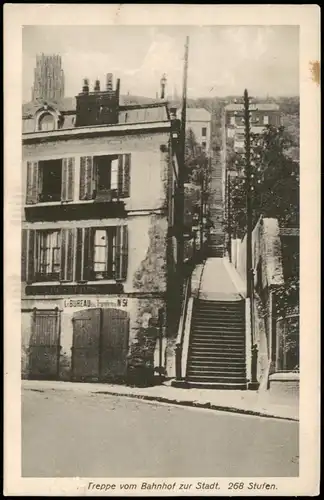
(163, 82)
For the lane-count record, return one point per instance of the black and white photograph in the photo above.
(160, 317)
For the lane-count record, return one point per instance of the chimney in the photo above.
(97, 86)
(173, 113)
(109, 81)
(85, 88)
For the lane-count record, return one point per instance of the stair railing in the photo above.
(181, 329)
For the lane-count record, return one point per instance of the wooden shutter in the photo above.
(120, 176)
(32, 182)
(124, 252)
(79, 253)
(126, 176)
(67, 254)
(121, 253)
(118, 253)
(24, 249)
(31, 256)
(67, 179)
(86, 178)
(88, 251)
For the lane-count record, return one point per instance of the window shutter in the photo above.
(67, 252)
(126, 177)
(32, 183)
(86, 176)
(24, 241)
(118, 274)
(124, 252)
(88, 251)
(78, 256)
(120, 176)
(31, 255)
(67, 179)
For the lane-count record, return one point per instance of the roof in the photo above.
(64, 105)
(198, 115)
(128, 113)
(68, 104)
(262, 106)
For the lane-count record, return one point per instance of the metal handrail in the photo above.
(181, 329)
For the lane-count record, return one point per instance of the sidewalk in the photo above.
(244, 402)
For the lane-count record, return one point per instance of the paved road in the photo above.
(66, 434)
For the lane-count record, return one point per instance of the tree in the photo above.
(274, 181)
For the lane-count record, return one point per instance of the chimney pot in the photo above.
(85, 87)
(109, 81)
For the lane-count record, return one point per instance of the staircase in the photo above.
(217, 236)
(216, 357)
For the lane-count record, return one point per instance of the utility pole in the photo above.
(181, 173)
(249, 225)
(249, 207)
(202, 191)
(229, 215)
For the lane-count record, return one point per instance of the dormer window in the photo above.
(46, 122)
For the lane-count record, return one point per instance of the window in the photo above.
(106, 173)
(48, 256)
(105, 177)
(266, 120)
(104, 253)
(50, 180)
(46, 122)
(204, 131)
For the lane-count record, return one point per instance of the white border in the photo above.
(308, 18)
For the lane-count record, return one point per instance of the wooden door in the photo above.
(86, 344)
(44, 345)
(114, 344)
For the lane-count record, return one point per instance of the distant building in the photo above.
(263, 114)
(99, 245)
(48, 78)
(199, 121)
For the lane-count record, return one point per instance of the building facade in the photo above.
(199, 121)
(262, 114)
(98, 211)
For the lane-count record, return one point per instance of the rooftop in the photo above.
(262, 106)
(129, 112)
(198, 115)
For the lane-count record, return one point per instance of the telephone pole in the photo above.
(249, 226)
(249, 207)
(181, 174)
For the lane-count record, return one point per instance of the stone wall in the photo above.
(266, 252)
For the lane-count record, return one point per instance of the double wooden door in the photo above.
(100, 344)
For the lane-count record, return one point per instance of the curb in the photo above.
(194, 404)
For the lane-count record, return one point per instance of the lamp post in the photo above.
(163, 82)
(253, 384)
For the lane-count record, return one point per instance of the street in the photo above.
(67, 434)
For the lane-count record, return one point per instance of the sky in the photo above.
(223, 60)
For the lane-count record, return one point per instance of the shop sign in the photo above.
(95, 302)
